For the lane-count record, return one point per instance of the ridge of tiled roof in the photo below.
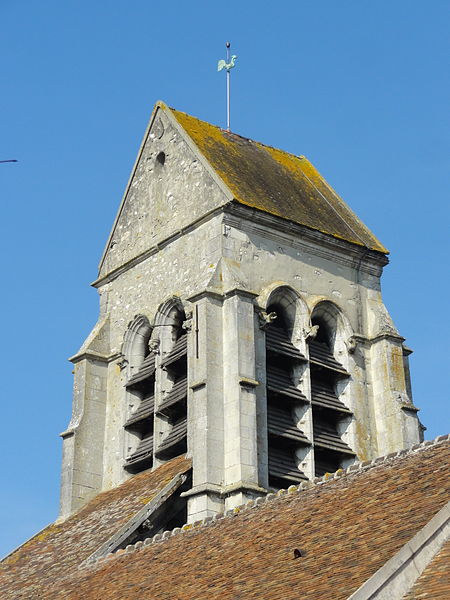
(433, 582)
(275, 181)
(354, 469)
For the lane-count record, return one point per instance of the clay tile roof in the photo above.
(276, 182)
(434, 583)
(345, 528)
(59, 549)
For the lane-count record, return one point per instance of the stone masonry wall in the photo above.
(161, 198)
(178, 235)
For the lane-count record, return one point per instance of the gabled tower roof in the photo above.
(275, 182)
(241, 171)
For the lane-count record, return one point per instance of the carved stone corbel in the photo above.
(122, 362)
(153, 345)
(351, 344)
(265, 318)
(187, 325)
(311, 332)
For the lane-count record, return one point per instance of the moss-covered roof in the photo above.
(276, 182)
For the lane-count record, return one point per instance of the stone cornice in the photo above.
(247, 382)
(156, 248)
(240, 292)
(206, 488)
(206, 293)
(292, 234)
(251, 220)
(224, 490)
(93, 355)
(384, 335)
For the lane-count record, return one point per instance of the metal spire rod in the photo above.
(228, 86)
(10, 160)
(227, 65)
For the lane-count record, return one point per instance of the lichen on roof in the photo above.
(276, 182)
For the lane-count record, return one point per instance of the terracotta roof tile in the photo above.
(59, 549)
(345, 528)
(434, 583)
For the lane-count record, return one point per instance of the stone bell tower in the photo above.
(241, 322)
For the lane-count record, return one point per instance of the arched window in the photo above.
(328, 412)
(172, 409)
(284, 362)
(141, 395)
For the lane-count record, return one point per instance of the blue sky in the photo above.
(359, 87)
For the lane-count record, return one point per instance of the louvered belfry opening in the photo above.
(173, 406)
(328, 411)
(140, 422)
(283, 398)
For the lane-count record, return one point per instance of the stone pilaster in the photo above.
(82, 468)
(241, 478)
(205, 406)
(395, 414)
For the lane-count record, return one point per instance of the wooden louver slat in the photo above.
(320, 355)
(278, 342)
(325, 436)
(177, 394)
(178, 351)
(279, 381)
(280, 424)
(282, 466)
(176, 437)
(323, 395)
(144, 411)
(284, 437)
(143, 452)
(146, 370)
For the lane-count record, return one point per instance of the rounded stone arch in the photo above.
(168, 311)
(329, 314)
(294, 307)
(292, 318)
(135, 341)
(135, 348)
(338, 325)
(168, 319)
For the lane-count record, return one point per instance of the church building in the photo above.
(243, 423)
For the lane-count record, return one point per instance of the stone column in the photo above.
(205, 406)
(261, 399)
(395, 415)
(82, 468)
(241, 480)
(161, 425)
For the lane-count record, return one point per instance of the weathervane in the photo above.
(228, 65)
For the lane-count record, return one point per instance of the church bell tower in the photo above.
(241, 324)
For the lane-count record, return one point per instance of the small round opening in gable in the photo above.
(161, 158)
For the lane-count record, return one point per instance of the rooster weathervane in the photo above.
(227, 65)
